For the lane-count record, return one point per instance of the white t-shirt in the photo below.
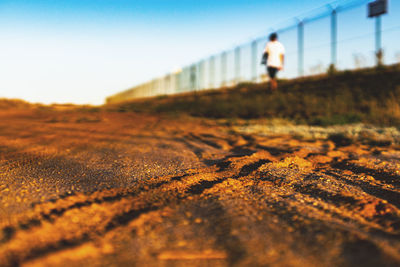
(274, 49)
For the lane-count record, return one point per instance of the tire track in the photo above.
(377, 174)
(58, 209)
(110, 196)
(391, 196)
(190, 186)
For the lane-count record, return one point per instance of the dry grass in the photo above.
(369, 95)
(13, 104)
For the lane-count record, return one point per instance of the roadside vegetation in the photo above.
(367, 95)
(13, 104)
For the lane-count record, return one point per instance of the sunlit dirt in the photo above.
(91, 188)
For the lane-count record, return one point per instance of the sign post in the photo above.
(375, 10)
(300, 45)
(334, 38)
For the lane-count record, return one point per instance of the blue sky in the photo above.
(81, 51)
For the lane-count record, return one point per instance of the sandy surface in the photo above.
(112, 189)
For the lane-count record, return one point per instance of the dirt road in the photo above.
(83, 188)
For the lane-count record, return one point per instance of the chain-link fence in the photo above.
(339, 35)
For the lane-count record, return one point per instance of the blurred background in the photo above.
(84, 51)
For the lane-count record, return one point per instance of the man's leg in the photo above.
(272, 81)
(273, 84)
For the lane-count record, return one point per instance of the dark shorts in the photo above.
(272, 72)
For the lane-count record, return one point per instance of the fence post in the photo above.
(378, 40)
(223, 68)
(300, 39)
(183, 80)
(237, 64)
(187, 79)
(201, 80)
(158, 87)
(153, 87)
(198, 77)
(334, 38)
(177, 86)
(163, 86)
(211, 72)
(192, 77)
(254, 60)
(180, 81)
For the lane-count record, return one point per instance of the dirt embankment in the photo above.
(110, 189)
(369, 96)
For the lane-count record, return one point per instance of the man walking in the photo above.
(274, 56)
